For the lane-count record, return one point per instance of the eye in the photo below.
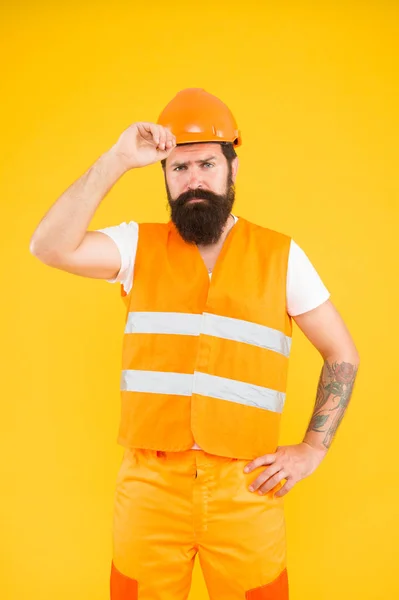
(210, 164)
(178, 168)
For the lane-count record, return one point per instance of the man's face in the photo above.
(200, 189)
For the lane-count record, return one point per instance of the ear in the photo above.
(234, 168)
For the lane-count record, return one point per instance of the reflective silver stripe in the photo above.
(222, 327)
(163, 322)
(157, 382)
(238, 391)
(247, 332)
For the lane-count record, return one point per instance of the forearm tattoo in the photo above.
(333, 393)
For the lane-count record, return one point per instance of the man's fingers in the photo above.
(156, 131)
(264, 476)
(162, 137)
(170, 140)
(272, 482)
(289, 484)
(148, 131)
(266, 459)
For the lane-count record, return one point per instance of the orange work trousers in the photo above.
(171, 506)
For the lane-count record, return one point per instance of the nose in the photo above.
(194, 181)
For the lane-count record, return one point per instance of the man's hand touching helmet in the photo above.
(143, 144)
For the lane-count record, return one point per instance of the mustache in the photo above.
(197, 193)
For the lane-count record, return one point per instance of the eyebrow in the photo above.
(176, 163)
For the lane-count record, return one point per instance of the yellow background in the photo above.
(314, 88)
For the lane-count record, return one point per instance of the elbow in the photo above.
(33, 247)
(36, 249)
(45, 254)
(355, 357)
(355, 361)
(348, 355)
(342, 351)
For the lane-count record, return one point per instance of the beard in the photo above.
(201, 222)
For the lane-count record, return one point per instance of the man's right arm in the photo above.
(61, 239)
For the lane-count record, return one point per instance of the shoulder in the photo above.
(298, 256)
(121, 232)
(268, 235)
(305, 288)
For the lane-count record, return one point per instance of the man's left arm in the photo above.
(326, 330)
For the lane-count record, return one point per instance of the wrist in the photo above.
(320, 450)
(115, 162)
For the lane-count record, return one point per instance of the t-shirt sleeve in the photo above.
(305, 289)
(125, 237)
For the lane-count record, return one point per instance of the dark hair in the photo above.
(227, 149)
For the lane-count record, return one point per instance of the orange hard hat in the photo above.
(195, 115)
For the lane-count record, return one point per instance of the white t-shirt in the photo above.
(305, 289)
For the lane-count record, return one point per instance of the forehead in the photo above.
(194, 152)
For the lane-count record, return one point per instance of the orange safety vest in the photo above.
(206, 361)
